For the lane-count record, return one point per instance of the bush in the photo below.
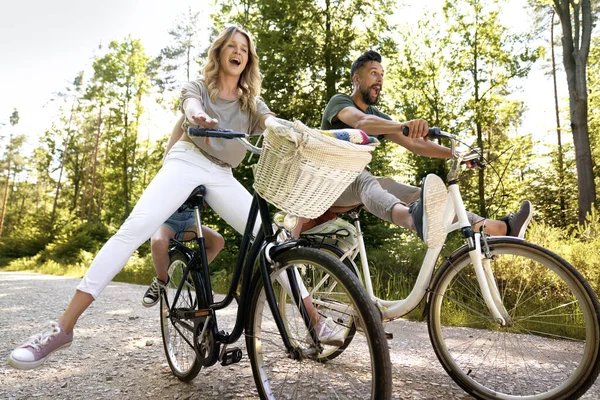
(16, 246)
(87, 237)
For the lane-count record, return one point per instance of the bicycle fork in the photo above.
(487, 282)
(481, 261)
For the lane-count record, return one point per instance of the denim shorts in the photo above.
(180, 222)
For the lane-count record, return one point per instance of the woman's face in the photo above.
(234, 55)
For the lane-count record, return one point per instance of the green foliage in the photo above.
(459, 78)
(306, 47)
(67, 249)
(593, 76)
(139, 269)
(17, 247)
(581, 247)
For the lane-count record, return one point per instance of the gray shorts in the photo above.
(380, 194)
(179, 222)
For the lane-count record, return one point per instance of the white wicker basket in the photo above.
(302, 171)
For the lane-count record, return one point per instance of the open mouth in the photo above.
(235, 61)
(375, 90)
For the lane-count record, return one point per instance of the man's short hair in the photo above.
(369, 55)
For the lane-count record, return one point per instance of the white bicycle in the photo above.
(507, 319)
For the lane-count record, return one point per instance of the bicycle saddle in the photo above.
(196, 198)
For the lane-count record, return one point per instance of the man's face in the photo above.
(370, 82)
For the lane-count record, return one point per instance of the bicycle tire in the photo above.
(177, 340)
(363, 370)
(552, 349)
(331, 352)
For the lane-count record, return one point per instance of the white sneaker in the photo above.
(428, 212)
(329, 332)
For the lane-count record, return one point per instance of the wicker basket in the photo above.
(303, 172)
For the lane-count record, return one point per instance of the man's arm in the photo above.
(415, 142)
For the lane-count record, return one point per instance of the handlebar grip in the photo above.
(216, 133)
(432, 133)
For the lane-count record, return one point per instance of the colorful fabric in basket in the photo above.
(355, 136)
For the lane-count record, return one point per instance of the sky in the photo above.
(44, 44)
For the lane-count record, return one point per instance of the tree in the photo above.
(594, 102)
(484, 58)
(121, 74)
(75, 99)
(306, 47)
(180, 57)
(12, 161)
(577, 19)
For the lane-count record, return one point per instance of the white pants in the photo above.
(184, 168)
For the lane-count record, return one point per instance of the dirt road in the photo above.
(117, 352)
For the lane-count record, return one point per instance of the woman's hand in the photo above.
(203, 120)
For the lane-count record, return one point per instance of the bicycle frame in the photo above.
(454, 210)
(249, 253)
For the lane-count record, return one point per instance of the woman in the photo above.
(227, 98)
(181, 226)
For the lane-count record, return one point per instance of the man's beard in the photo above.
(366, 95)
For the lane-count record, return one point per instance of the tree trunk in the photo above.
(561, 167)
(329, 72)
(95, 165)
(478, 128)
(5, 200)
(62, 167)
(576, 44)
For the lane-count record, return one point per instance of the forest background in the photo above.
(459, 65)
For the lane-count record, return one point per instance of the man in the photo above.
(384, 197)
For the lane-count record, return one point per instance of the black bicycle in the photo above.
(287, 356)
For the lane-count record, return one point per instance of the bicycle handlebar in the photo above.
(216, 133)
(241, 137)
(432, 133)
(473, 156)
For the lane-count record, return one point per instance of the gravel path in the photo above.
(117, 352)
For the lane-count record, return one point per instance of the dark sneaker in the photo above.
(153, 293)
(428, 211)
(329, 333)
(517, 223)
(38, 348)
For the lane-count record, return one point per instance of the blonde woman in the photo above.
(227, 98)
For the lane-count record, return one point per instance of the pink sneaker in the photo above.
(38, 348)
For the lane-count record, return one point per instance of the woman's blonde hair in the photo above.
(250, 79)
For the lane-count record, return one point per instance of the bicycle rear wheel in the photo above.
(178, 334)
(362, 371)
(551, 348)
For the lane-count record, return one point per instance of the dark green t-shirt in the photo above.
(336, 104)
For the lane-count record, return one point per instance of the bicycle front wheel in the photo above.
(178, 334)
(550, 348)
(362, 371)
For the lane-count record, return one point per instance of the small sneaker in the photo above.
(517, 223)
(153, 293)
(38, 348)
(428, 211)
(328, 332)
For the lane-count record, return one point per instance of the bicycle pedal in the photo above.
(232, 356)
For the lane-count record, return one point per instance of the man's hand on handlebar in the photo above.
(417, 128)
